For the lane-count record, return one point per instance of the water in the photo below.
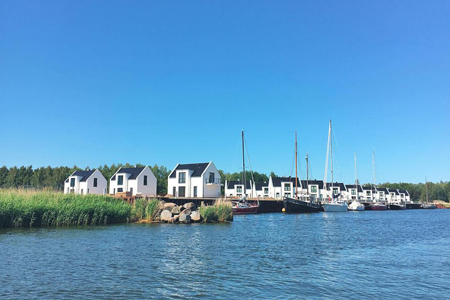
(354, 255)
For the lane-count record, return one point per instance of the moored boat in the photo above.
(397, 206)
(356, 206)
(335, 206)
(243, 207)
(378, 206)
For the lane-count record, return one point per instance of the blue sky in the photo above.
(162, 82)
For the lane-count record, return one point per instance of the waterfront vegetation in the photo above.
(53, 177)
(221, 211)
(21, 208)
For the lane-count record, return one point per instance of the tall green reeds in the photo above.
(144, 209)
(221, 211)
(19, 208)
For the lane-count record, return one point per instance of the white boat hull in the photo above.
(335, 207)
(356, 206)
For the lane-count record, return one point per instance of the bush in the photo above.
(221, 211)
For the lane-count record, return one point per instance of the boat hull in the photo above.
(298, 206)
(429, 206)
(396, 207)
(378, 207)
(334, 207)
(245, 210)
(356, 206)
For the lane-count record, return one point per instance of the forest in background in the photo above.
(53, 177)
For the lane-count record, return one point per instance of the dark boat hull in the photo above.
(396, 207)
(245, 210)
(296, 206)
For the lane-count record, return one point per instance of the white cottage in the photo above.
(261, 190)
(235, 188)
(353, 192)
(280, 187)
(197, 180)
(339, 190)
(382, 194)
(86, 182)
(137, 181)
(314, 188)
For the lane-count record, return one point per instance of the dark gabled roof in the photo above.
(368, 188)
(133, 171)
(312, 182)
(84, 174)
(198, 169)
(278, 180)
(337, 184)
(394, 191)
(260, 185)
(380, 189)
(232, 183)
(352, 186)
(403, 192)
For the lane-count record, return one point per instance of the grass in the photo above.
(20, 208)
(221, 211)
(147, 210)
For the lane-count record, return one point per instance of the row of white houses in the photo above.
(280, 187)
(198, 180)
(202, 180)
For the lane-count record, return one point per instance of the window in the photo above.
(211, 177)
(182, 177)
(95, 182)
(87, 191)
(120, 190)
(288, 194)
(182, 191)
(145, 179)
(72, 182)
(287, 187)
(120, 180)
(239, 189)
(277, 195)
(335, 191)
(81, 192)
(367, 193)
(239, 195)
(174, 192)
(314, 189)
(195, 191)
(353, 192)
(266, 191)
(381, 194)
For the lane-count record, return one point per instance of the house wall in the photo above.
(211, 190)
(113, 186)
(76, 188)
(145, 190)
(101, 184)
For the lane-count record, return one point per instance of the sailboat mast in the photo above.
(356, 178)
(296, 181)
(243, 165)
(426, 188)
(307, 175)
(331, 156)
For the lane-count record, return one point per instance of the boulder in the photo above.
(189, 205)
(186, 219)
(165, 215)
(195, 216)
(174, 219)
(186, 212)
(175, 210)
(169, 205)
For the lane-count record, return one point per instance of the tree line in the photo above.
(54, 177)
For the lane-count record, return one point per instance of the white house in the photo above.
(137, 181)
(381, 195)
(353, 192)
(313, 188)
(85, 182)
(262, 190)
(393, 196)
(369, 193)
(280, 187)
(339, 190)
(404, 196)
(235, 188)
(197, 180)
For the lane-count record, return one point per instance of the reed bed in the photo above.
(21, 208)
(145, 210)
(221, 211)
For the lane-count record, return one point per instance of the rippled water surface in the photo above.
(354, 255)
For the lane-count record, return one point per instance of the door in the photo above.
(182, 191)
(174, 193)
(131, 191)
(195, 191)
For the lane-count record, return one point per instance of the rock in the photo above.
(186, 212)
(165, 215)
(189, 205)
(175, 210)
(174, 219)
(169, 205)
(195, 216)
(186, 219)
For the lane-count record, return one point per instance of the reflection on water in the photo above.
(392, 254)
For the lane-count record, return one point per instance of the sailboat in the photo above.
(428, 205)
(302, 203)
(243, 207)
(356, 205)
(334, 204)
(378, 205)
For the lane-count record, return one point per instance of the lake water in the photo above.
(354, 255)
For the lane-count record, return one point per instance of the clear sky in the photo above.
(162, 82)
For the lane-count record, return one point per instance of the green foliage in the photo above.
(144, 209)
(221, 211)
(20, 208)
(152, 210)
